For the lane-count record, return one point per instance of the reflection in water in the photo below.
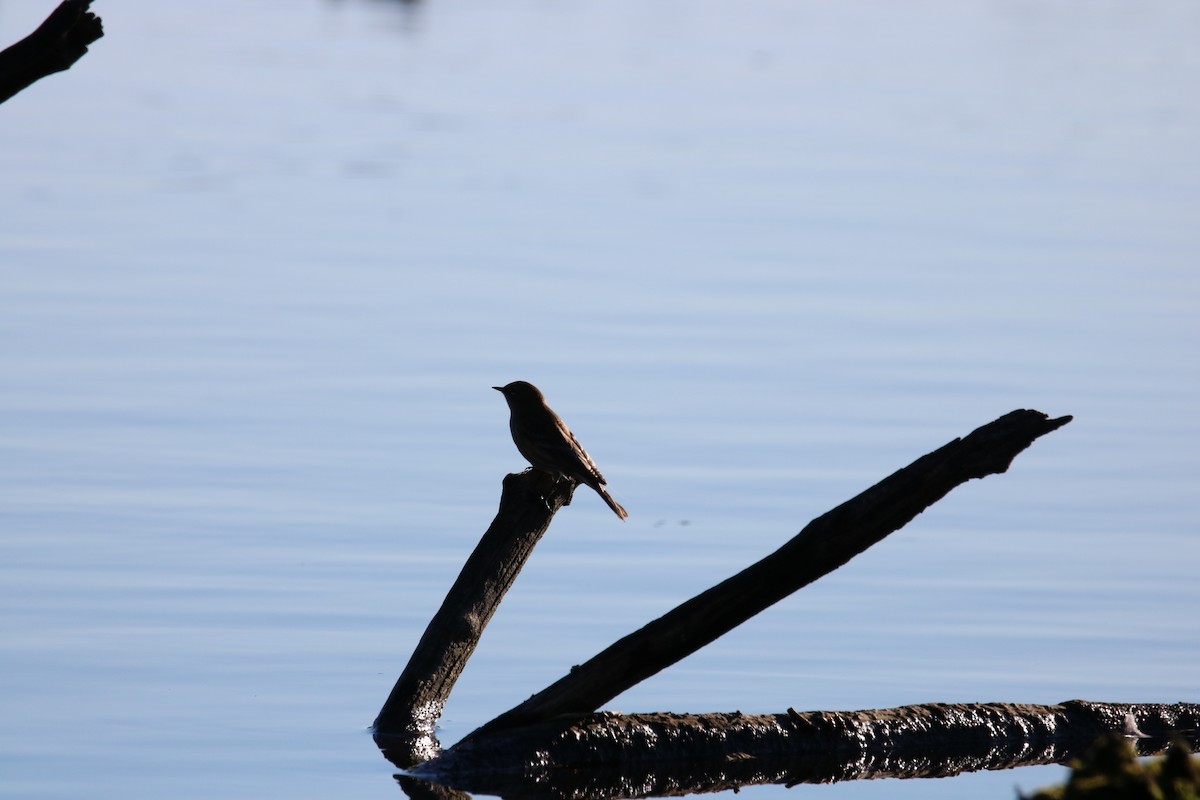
(616, 756)
(683, 777)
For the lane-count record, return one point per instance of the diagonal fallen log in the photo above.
(822, 546)
(554, 746)
(404, 728)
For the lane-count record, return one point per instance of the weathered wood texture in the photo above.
(637, 755)
(58, 43)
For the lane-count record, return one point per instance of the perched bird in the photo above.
(546, 441)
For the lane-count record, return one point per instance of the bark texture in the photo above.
(638, 755)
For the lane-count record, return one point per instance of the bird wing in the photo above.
(585, 461)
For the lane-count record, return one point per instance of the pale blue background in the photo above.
(260, 262)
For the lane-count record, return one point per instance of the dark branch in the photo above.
(527, 504)
(825, 544)
(58, 43)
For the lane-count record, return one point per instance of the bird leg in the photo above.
(548, 484)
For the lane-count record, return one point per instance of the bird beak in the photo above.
(499, 388)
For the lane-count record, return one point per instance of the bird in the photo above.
(548, 444)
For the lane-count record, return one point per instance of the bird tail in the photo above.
(617, 508)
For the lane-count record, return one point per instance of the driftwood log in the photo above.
(647, 755)
(822, 546)
(57, 43)
(415, 704)
(527, 504)
(557, 727)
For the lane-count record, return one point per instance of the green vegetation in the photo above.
(1112, 771)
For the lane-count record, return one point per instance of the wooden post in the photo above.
(527, 504)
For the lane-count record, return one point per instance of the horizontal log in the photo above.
(623, 755)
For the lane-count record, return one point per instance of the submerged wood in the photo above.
(58, 43)
(405, 724)
(639, 755)
(822, 546)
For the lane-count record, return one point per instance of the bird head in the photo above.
(520, 391)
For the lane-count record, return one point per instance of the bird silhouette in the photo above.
(546, 441)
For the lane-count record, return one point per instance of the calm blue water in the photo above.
(261, 261)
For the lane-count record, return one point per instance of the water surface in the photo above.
(260, 261)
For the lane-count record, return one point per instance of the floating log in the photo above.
(644, 755)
